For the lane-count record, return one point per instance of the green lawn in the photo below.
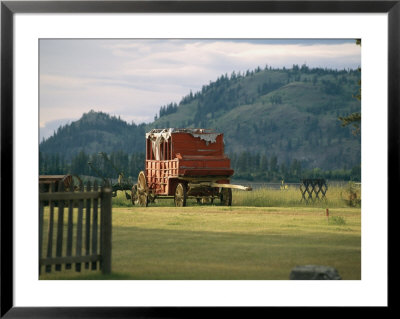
(215, 242)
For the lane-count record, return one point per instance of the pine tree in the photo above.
(354, 118)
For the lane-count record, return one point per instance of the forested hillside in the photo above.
(277, 123)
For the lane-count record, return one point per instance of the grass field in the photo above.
(265, 197)
(239, 242)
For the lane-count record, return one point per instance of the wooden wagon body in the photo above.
(182, 163)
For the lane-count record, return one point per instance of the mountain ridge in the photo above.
(287, 113)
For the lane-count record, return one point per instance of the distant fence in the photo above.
(78, 227)
(313, 189)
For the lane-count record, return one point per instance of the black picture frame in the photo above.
(9, 8)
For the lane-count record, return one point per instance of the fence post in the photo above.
(106, 229)
(95, 226)
(70, 226)
(41, 217)
(50, 231)
(87, 223)
(60, 225)
(79, 229)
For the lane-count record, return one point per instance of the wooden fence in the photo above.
(78, 227)
(312, 188)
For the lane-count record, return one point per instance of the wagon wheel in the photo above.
(142, 190)
(180, 195)
(226, 196)
(71, 182)
(76, 181)
(67, 180)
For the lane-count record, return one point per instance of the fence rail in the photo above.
(75, 227)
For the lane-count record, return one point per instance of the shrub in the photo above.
(352, 195)
(337, 220)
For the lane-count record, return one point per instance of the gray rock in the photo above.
(314, 272)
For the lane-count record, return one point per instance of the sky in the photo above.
(133, 78)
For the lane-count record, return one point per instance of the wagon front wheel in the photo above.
(142, 200)
(226, 196)
(180, 195)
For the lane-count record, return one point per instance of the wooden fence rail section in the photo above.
(78, 227)
(311, 189)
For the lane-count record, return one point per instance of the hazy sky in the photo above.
(133, 78)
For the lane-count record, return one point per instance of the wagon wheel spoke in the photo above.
(143, 200)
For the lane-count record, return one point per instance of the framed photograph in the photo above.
(33, 34)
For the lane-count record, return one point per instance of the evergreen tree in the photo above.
(354, 118)
(264, 163)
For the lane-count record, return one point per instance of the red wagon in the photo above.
(183, 163)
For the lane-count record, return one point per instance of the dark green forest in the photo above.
(277, 124)
(251, 167)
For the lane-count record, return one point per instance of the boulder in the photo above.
(314, 272)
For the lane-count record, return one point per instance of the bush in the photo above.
(352, 195)
(337, 220)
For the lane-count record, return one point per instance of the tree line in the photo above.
(260, 167)
(253, 167)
